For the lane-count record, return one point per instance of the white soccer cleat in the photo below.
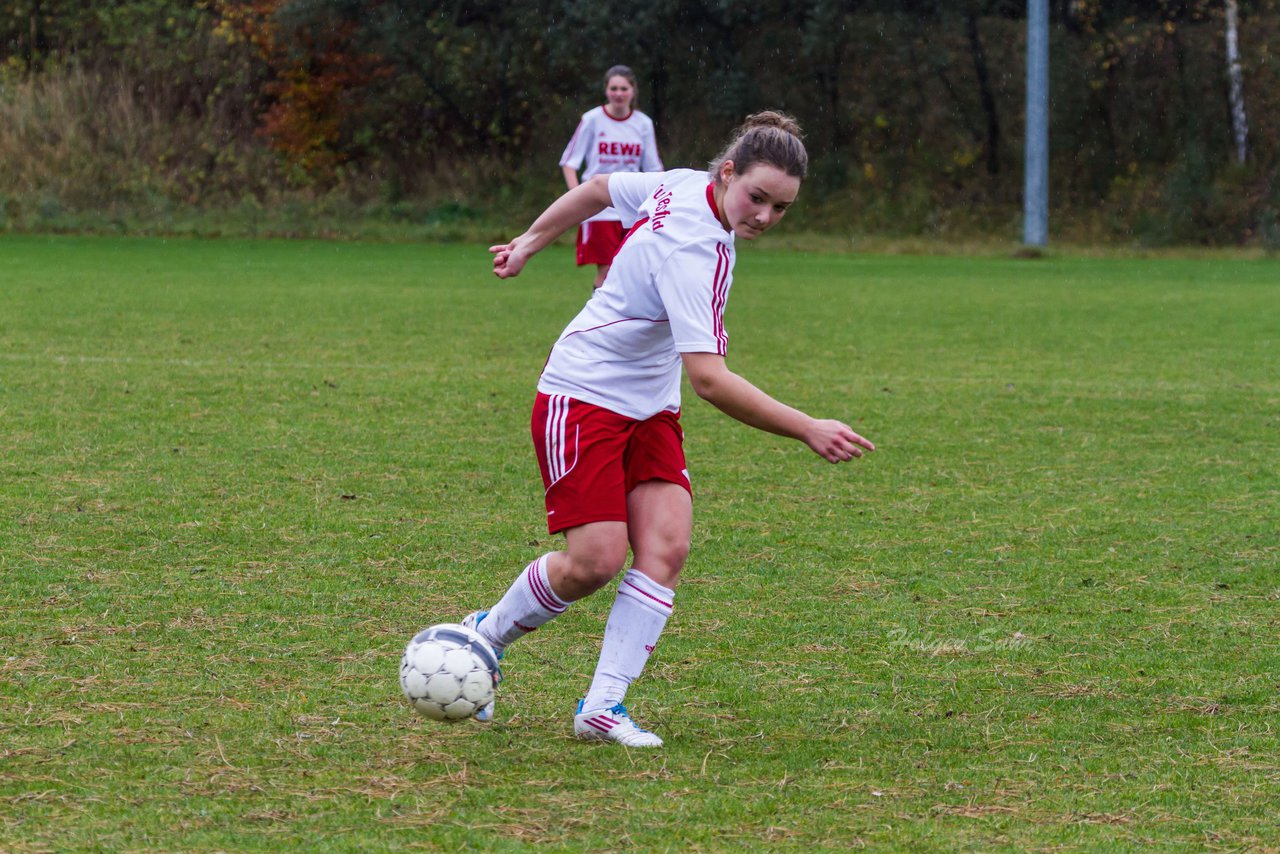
(612, 725)
(484, 714)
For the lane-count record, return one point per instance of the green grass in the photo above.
(235, 477)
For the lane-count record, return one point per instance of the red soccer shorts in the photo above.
(598, 242)
(591, 457)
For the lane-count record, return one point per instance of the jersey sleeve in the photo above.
(576, 151)
(694, 286)
(630, 190)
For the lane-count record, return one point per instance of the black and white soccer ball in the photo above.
(448, 671)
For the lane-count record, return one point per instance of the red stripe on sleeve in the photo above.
(719, 295)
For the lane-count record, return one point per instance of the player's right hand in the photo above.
(508, 258)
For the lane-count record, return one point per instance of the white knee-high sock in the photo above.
(637, 618)
(527, 604)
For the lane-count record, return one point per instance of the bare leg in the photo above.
(596, 553)
(602, 270)
(660, 529)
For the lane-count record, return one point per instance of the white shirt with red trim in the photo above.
(607, 145)
(664, 295)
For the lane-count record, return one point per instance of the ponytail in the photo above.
(767, 137)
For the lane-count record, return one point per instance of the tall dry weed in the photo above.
(92, 140)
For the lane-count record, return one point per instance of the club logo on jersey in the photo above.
(662, 209)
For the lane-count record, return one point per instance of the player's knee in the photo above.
(596, 568)
(663, 559)
(672, 555)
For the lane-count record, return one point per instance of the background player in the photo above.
(606, 418)
(614, 137)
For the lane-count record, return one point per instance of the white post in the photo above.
(1035, 231)
(1239, 121)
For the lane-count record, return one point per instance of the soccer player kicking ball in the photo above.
(606, 421)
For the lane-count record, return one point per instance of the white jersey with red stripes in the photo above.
(664, 295)
(607, 145)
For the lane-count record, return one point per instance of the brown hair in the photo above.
(766, 137)
(621, 71)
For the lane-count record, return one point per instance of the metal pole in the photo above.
(1036, 163)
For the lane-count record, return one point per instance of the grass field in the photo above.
(235, 477)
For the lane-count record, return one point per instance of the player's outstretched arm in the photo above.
(712, 380)
(583, 201)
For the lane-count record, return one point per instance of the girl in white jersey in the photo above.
(606, 418)
(615, 137)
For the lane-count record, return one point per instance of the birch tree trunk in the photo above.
(1239, 121)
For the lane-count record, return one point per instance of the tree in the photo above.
(1239, 121)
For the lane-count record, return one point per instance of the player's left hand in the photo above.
(836, 442)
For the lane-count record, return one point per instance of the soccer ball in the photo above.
(448, 671)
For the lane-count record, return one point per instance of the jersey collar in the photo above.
(605, 109)
(711, 202)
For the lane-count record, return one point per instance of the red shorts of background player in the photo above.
(591, 458)
(598, 242)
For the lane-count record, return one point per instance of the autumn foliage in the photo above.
(912, 108)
